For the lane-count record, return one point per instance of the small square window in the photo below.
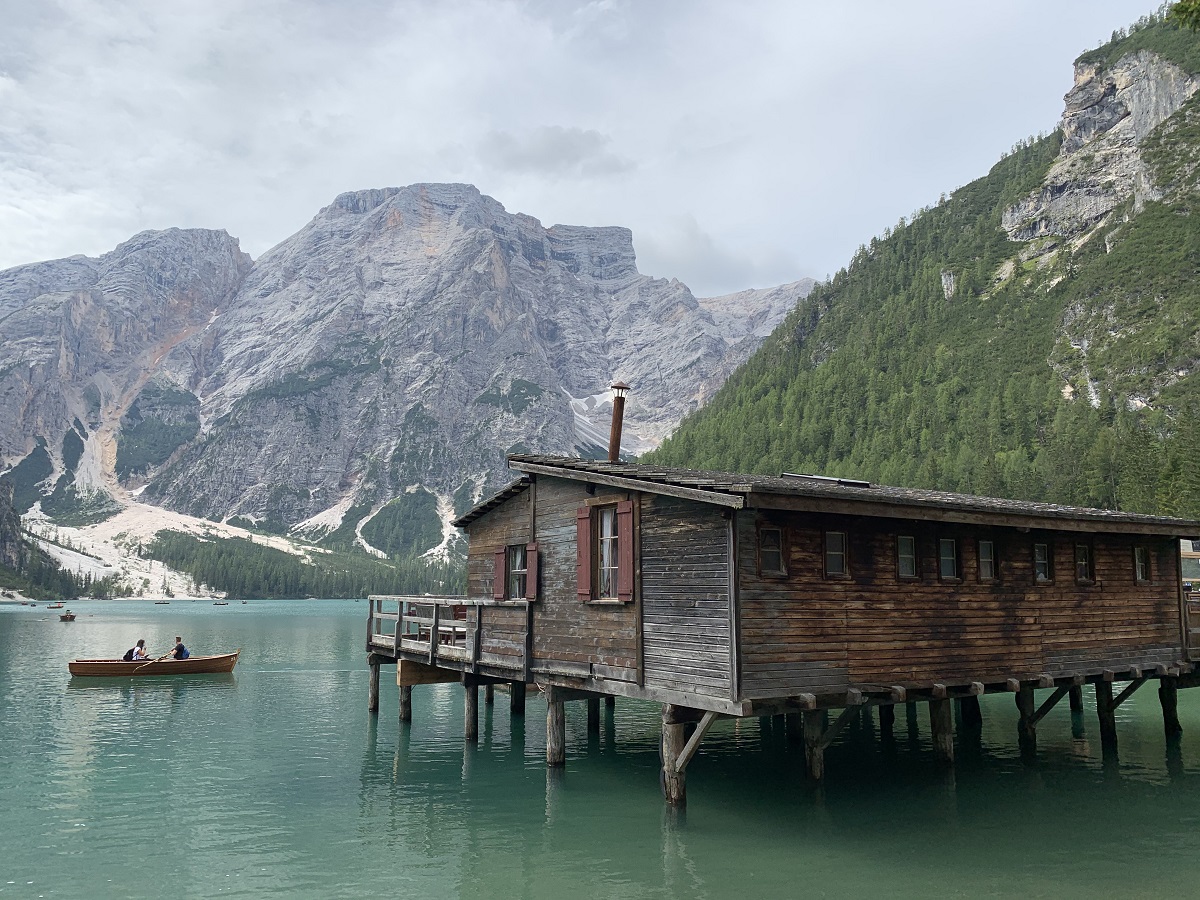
(835, 554)
(987, 560)
(906, 556)
(1043, 568)
(1141, 564)
(948, 558)
(1084, 567)
(770, 552)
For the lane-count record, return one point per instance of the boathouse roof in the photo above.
(814, 493)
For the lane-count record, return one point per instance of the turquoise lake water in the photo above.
(276, 782)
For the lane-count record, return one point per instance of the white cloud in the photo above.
(760, 140)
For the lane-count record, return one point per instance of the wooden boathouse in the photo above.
(736, 595)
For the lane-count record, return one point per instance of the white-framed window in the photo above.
(947, 559)
(1085, 566)
(771, 559)
(1141, 564)
(1043, 563)
(835, 555)
(606, 553)
(518, 571)
(987, 560)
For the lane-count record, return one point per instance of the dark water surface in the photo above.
(275, 781)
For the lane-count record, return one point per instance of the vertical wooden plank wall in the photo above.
(685, 596)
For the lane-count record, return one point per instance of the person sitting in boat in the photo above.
(137, 652)
(180, 651)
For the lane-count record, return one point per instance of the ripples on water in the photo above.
(274, 781)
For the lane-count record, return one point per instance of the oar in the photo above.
(147, 662)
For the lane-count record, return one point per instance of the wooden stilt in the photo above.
(673, 742)
(1106, 712)
(516, 699)
(1076, 695)
(556, 732)
(813, 727)
(489, 694)
(941, 721)
(887, 719)
(610, 701)
(406, 703)
(470, 711)
(593, 707)
(1026, 725)
(972, 715)
(1168, 696)
(373, 690)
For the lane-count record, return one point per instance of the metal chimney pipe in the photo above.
(620, 389)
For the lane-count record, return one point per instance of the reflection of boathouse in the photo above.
(737, 595)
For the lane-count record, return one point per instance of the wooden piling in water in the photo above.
(941, 722)
(516, 698)
(887, 719)
(674, 739)
(593, 715)
(373, 689)
(1076, 695)
(489, 694)
(813, 727)
(556, 732)
(1026, 725)
(971, 713)
(406, 703)
(1168, 690)
(470, 710)
(1106, 713)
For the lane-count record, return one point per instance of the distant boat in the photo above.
(220, 603)
(67, 616)
(162, 602)
(193, 665)
(56, 606)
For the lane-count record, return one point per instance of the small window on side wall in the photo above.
(906, 556)
(604, 541)
(770, 552)
(987, 560)
(1043, 564)
(1085, 566)
(948, 559)
(835, 555)
(516, 572)
(1141, 564)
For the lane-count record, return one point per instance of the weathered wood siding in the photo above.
(809, 633)
(685, 596)
(595, 639)
(502, 634)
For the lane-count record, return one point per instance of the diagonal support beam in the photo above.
(693, 744)
(1128, 692)
(842, 721)
(1049, 704)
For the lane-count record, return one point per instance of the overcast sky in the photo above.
(746, 143)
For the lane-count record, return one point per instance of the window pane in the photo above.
(517, 569)
(770, 550)
(906, 555)
(835, 553)
(607, 553)
(947, 554)
(1141, 564)
(1041, 562)
(987, 560)
(1083, 562)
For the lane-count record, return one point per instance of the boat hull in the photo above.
(193, 665)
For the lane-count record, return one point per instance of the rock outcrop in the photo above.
(1109, 113)
(405, 336)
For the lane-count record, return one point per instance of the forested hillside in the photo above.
(948, 355)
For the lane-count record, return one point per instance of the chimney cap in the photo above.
(620, 388)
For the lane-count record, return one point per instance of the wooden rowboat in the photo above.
(67, 616)
(193, 665)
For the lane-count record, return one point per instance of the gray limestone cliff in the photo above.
(405, 336)
(1109, 113)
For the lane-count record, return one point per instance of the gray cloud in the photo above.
(553, 150)
(760, 140)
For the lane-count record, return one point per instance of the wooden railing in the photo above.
(422, 623)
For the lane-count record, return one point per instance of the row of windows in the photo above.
(772, 560)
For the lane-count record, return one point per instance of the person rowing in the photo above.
(179, 651)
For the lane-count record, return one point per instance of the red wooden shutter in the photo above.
(583, 553)
(625, 551)
(501, 573)
(531, 574)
